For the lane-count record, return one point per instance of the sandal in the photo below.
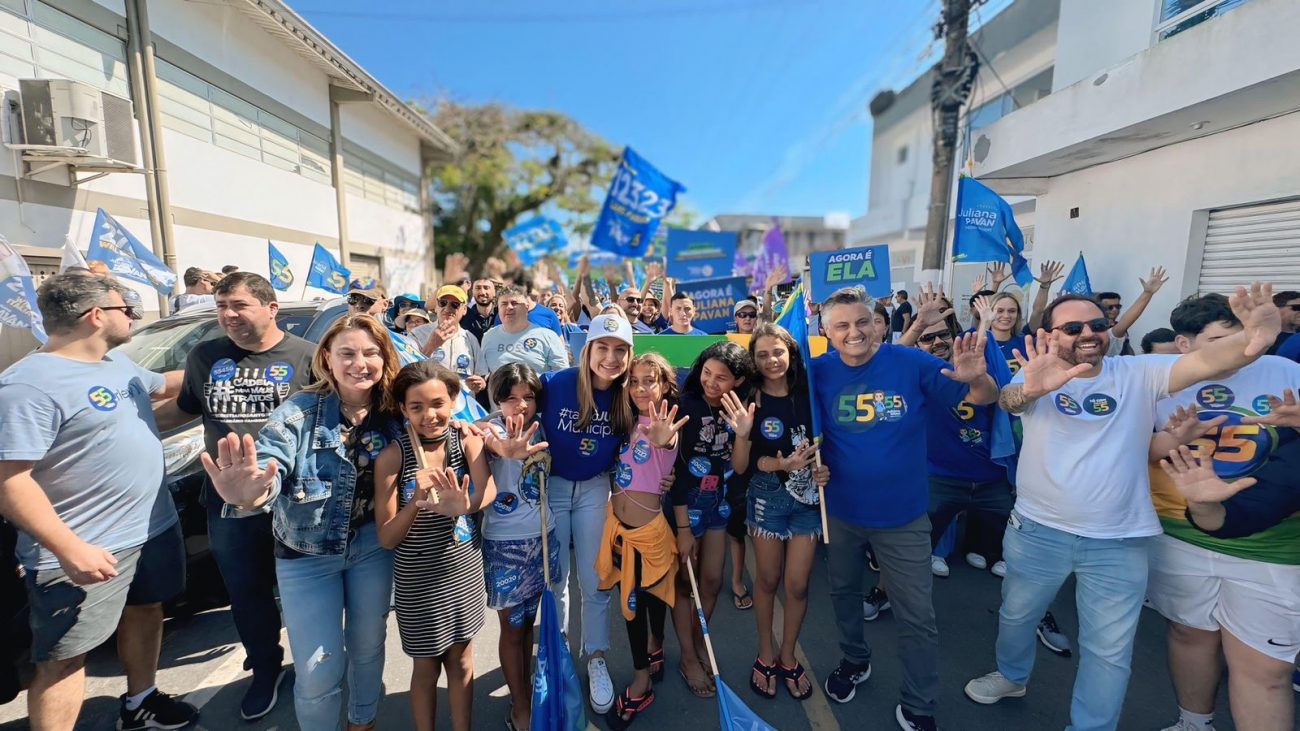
(768, 672)
(627, 704)
(705, 691)
(794, 674)
(657, 665)
(743, 600)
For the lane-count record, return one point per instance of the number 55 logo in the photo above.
(102, 399)
(1215, 396)
(587, 447)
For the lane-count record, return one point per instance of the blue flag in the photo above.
(986, 230)
(639, 198)
(1077, 282)
(794, 318)
(125, 256)
(18, 293)
(535, 238)
(558, 698)
(326, 272)
(281, 274)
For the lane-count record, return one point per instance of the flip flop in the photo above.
(794, 674)
(706, 692)
(767, 672)
(742, 601)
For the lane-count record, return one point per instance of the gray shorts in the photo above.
(69, 620)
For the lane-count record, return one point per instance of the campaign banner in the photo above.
(18, 293)
(714, 300)
(773, 256)
(639, 198)
(281, 274)
(125, 256)
(985, 229)
(535, 238)
(866, 267)
(681, 350)
(700, 254)
(326, 273)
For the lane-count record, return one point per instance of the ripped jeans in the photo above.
(772, 512)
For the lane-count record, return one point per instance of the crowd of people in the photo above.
(439, 459)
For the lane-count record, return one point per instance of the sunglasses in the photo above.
(129, 310)
(449, 304)
(360, 300)
(746, 315)
(927, 339)
(1113, 307)
(632, 300)
(1099, 325)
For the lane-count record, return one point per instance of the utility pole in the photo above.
(952, 85)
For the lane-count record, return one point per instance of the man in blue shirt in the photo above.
(682, 314)
(874, 398)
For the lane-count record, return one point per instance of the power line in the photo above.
(668, 12)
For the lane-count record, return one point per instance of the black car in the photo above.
(163, 346)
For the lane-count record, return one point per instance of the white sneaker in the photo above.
(999, 569)
(599, 685)
(992, 688)
(939, 567)
(977, 561)
(1184, 725)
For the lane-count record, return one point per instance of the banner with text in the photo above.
(714, 300)
(700, 254)
(535, 238)
(866, 267)
(639, 198)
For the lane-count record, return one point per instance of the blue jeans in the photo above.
(244, 550)
(579, 509)
(336, 611)
(1111, 576)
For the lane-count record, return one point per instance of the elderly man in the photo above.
(448, 342)
(745, 314)
(81, 476)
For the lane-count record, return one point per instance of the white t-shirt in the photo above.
(462, 353)
(1083, 465)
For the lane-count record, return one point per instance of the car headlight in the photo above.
(179, 450)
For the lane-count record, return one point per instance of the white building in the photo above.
(1017, 50)
(803, 234)
(1169, 138)
(250, 102)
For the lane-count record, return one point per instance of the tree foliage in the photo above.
(512, 163)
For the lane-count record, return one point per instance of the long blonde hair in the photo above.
(1020, 311)
(621, 418)
(380, 395)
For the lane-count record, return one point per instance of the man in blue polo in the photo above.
(874, 398)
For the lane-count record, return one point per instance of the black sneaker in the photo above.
(909, 721)
(843, 682)
(262, 694)
(1052, 637)
(158, 710)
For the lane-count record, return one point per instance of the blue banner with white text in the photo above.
(639, 198)
(281, 274)
(866, 267)
(535, 238)
(700, 254)
(125, 256)
(985, 230)
(714, 301)
(18, 293)
(326, 273)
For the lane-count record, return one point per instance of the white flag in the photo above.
(71, 257)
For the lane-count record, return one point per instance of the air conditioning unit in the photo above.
(66, 113)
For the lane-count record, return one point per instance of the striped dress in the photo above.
(437, 569)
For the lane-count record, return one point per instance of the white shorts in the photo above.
(1256, 602)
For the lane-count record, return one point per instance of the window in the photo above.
(44, 43)
(366, 178)
(1177, 16)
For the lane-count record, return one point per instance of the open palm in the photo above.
(1260, 318)
(1196, 480)
(235, 474)
(1043, 369)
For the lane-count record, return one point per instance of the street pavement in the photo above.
(201, 657)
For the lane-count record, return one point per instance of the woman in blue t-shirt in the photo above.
(1008, 327)
(586, 417)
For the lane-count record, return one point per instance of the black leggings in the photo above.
(650, 616)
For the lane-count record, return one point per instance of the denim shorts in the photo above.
(706, 509)
(772, 512)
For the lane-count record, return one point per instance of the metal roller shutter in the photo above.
(1252, 243)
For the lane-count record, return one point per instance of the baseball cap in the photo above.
(742, 305)
(454, 291)
(609, 326)
(369, 287)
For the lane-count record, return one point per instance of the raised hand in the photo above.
(517, 441)
(445, 331)
(968, 365)
(1043, 369)
(932, 310)
(448, 495)
(454, 265)
(1259, 317)
(584, 266)
(496, 268)
(1186, 426)
(1050, 271)
(653, 271)
(235, 474)
(663, 429)
(1283, 411)
(977, 285)
(1196, 480)
(998, 271)
(983, 307)
(776, 276)
(739, 417)
(1154, 281)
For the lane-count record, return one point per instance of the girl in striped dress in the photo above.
(424, 506)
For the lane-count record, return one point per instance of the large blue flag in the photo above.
(1077, 281)
(558, 703)
(18, 293)
(986, 230)
(535, 238)
(281, 274)
(639, 198)
(125, 256)
(794, 318)
(326, 272)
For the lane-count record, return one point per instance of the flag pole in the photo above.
(704, 624)
(821, 492)
(546, 542)
(418, 450)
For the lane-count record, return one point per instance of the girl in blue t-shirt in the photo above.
(699, 507)
(1008, 327)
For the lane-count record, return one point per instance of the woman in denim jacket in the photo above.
(312, 467)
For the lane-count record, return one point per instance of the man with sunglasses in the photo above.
(1120, 324)
(1083, 502)
(1289, 303)
(82, 477)
(745, 314)
(450, 344)
(629, 298)
(371, 298)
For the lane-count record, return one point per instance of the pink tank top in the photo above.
(642, 465)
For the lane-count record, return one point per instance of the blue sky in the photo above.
(756, 106)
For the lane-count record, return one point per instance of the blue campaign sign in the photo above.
(126, 256)
(281, 274)
(639, 198)
(866, 267)
(18, 293)
(700, 254)
(714, 301)
(326, 273)
(535, 238)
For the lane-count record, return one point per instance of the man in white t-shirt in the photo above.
(1083, 503)
(518, 340)
(450, 344)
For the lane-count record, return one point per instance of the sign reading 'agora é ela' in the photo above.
(866, 267)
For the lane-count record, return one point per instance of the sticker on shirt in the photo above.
(858, 410)
(505, 504)
(279, 372)
(102, 398)
(1262, 405)
(772, 428)
(531, 343)
(464, 531)
(373, 443)
(222, 370)
(408, 491)
(641, 452)
(1067, 405)
(724, 510)
(439, 355)
(710, 483)
(1215, 396)
(587, 447)
(462, 364)
(631, 595)
(699, 466)
(1099, 404)
(623, 475)
(1237, 449)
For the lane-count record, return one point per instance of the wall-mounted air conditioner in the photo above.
(65, 113)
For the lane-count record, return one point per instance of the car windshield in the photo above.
(164, 345)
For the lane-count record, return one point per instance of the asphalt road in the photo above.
(201, 657)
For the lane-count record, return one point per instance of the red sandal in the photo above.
(768, 672)
(627, 704)
(794, 674)
(657, 665)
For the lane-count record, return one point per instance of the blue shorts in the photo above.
(512, 570)
(772, 512)
(707, 511)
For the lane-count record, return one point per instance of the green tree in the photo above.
(511, 163)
